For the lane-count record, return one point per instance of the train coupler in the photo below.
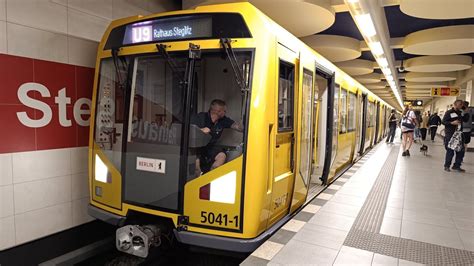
(138, 239)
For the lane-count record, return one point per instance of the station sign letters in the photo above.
(43, 104)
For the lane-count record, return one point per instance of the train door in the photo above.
(284, 135)
(363, 124)
(377, 123)
(324, 140)
(305, 135)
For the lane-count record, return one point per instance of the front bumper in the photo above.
(107, 217)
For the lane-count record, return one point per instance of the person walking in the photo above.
(392, 125)
(424, 125)
(452, 121)
(433, 123)
(408, 125)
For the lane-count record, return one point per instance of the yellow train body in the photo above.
(269, 185)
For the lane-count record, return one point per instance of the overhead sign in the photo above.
(446, 91)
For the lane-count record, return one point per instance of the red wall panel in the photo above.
(16, 136)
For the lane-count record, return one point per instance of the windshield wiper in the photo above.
(171, 61)
(123, 62)
(239, 76)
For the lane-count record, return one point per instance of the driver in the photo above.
(213, 122)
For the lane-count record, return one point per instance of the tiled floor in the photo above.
(425, 204)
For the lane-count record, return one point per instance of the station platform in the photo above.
(385, 210)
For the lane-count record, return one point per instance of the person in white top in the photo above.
(408, 124)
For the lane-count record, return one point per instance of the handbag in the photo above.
(455, 143)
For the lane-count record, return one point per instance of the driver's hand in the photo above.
(206, 130)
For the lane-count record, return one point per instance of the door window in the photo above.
(285, 96)
(306, 125)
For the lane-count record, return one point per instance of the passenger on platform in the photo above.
(424, 125)
(408, 125)
(392, 125)
(466, 125)
(213, 123)
(452, 122)
(433, 122)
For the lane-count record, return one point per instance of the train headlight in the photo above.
(101, 171)
(221, 189)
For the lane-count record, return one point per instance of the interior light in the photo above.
(389, 77)
(376, 48)
(101, 170)
(366, 25)
(382, 62)
(386, 71)
(352, 1)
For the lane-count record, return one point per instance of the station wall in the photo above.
(47, 59)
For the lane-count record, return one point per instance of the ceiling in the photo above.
(433, 38)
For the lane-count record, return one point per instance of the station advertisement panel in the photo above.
(43, 104)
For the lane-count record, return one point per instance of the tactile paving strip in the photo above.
(365, 232)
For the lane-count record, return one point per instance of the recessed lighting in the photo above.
(376, 48)
(382, 62)
(366, 25)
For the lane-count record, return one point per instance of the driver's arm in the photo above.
(237, 126)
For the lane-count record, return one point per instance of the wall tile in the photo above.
(6, 169)
(3, 36)
(127, 8)
(79, 160)
(80, 186)
(3, 8)
(46, 221)
(38, 44)
(6, 201)
(29, 166)
(15, 136)
(101, 8)
(43, 193)
(7, 232)
(40, 14)
(86, 26)
(82, 52)
(79, 212)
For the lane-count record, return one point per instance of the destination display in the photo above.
(168, 29)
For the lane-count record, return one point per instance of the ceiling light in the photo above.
(352, 1)
(386, 71)
(376, 48)
(389, 77)
(382, 61)
(366, 25)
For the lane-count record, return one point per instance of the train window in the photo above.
(351, 113)
(343, 112)
(110, 108)
(285, 96)
(371, 114)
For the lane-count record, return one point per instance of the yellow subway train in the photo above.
(213, 126)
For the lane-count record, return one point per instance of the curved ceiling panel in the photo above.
(378, 85)
(425, 85)
(370, 78)
(438, 9)
(300, 17)
(333, 47)
(356, 67)
(439, 63)
(430, 77)
(441, 41)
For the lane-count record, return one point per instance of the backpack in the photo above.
(407, 122)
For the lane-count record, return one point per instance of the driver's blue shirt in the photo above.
(203, 120)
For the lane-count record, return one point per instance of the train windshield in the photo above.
(143, 104)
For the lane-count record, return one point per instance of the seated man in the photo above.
(213, 122)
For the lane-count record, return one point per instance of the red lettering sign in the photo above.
(43, 105)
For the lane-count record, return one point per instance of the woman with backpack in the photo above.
(408, 124)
